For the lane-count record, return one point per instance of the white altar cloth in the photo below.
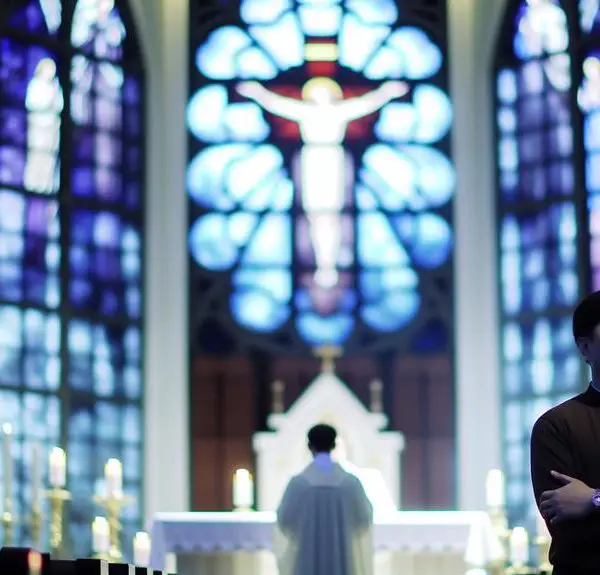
(466, 535)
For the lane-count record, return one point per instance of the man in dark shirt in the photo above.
(565, 460)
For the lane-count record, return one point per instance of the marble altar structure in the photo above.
(365, 447)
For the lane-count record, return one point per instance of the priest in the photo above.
(325, 519)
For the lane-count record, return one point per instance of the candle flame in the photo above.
(242, 474)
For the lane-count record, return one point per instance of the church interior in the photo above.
(259, 215)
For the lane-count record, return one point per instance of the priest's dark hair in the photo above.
(586, 316)
(321, 438)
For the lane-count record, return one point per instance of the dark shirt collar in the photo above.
(591, 396)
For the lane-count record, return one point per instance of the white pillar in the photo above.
(472, 28)
(163, 28)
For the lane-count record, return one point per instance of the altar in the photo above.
(407, 542)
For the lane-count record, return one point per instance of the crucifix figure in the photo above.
(323, 116)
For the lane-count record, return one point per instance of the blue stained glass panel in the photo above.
(261, 207)
(105, 360)
(426, 120)
(29, 249)
(589, 14)
(105, 262)
(29, 348)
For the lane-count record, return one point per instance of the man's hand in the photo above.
(571, 501)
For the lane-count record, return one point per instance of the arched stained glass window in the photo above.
(589, 103)
(320, 179)
(539, 208)
(71, 217)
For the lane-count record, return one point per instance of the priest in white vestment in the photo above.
(325, 519)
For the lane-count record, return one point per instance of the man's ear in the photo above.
(583, 345)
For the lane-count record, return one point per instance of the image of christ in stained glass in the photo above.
(318, 175)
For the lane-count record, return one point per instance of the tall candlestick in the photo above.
(36, 476)
(113, 474)
(494, 489)
(519, 547)
(7, 467)
(243, 489)
(57, 464)
(100, 537)
(141, 549)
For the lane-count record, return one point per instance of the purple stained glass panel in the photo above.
(30, 255)
(39, 17)
(30, 117)
(105, 263)
(108, 160)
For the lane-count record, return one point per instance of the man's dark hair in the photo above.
(586, 316)
(321, 438)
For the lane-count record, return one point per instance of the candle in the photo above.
(57, 463)
(100, 536)
(113, 474)
(34, 563)
(494, 489)
(36, 476)
(141, 549)
(7, 468)
(519, 547)
(243, 489)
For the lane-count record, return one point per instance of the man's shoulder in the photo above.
(557, 415)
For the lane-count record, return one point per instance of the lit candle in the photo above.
(141, 549)
(57, 463)
(519, 547)
(494, 489)
(243, 489)
(36, 476)
(34, 563)
(7, 467)
(113, 474)
(100, 536)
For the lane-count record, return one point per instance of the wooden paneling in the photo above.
(424, 410)
(227, 409)
(223, 419)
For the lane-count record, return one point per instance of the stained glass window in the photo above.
(539, 204)
(71, 201)
(319, 179)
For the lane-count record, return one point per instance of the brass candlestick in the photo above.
(57, 497)
(113, 505)
(8, 522)
(36, 526)
(500, 526)
(543, 546)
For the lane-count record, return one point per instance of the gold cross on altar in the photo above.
(328, 354)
